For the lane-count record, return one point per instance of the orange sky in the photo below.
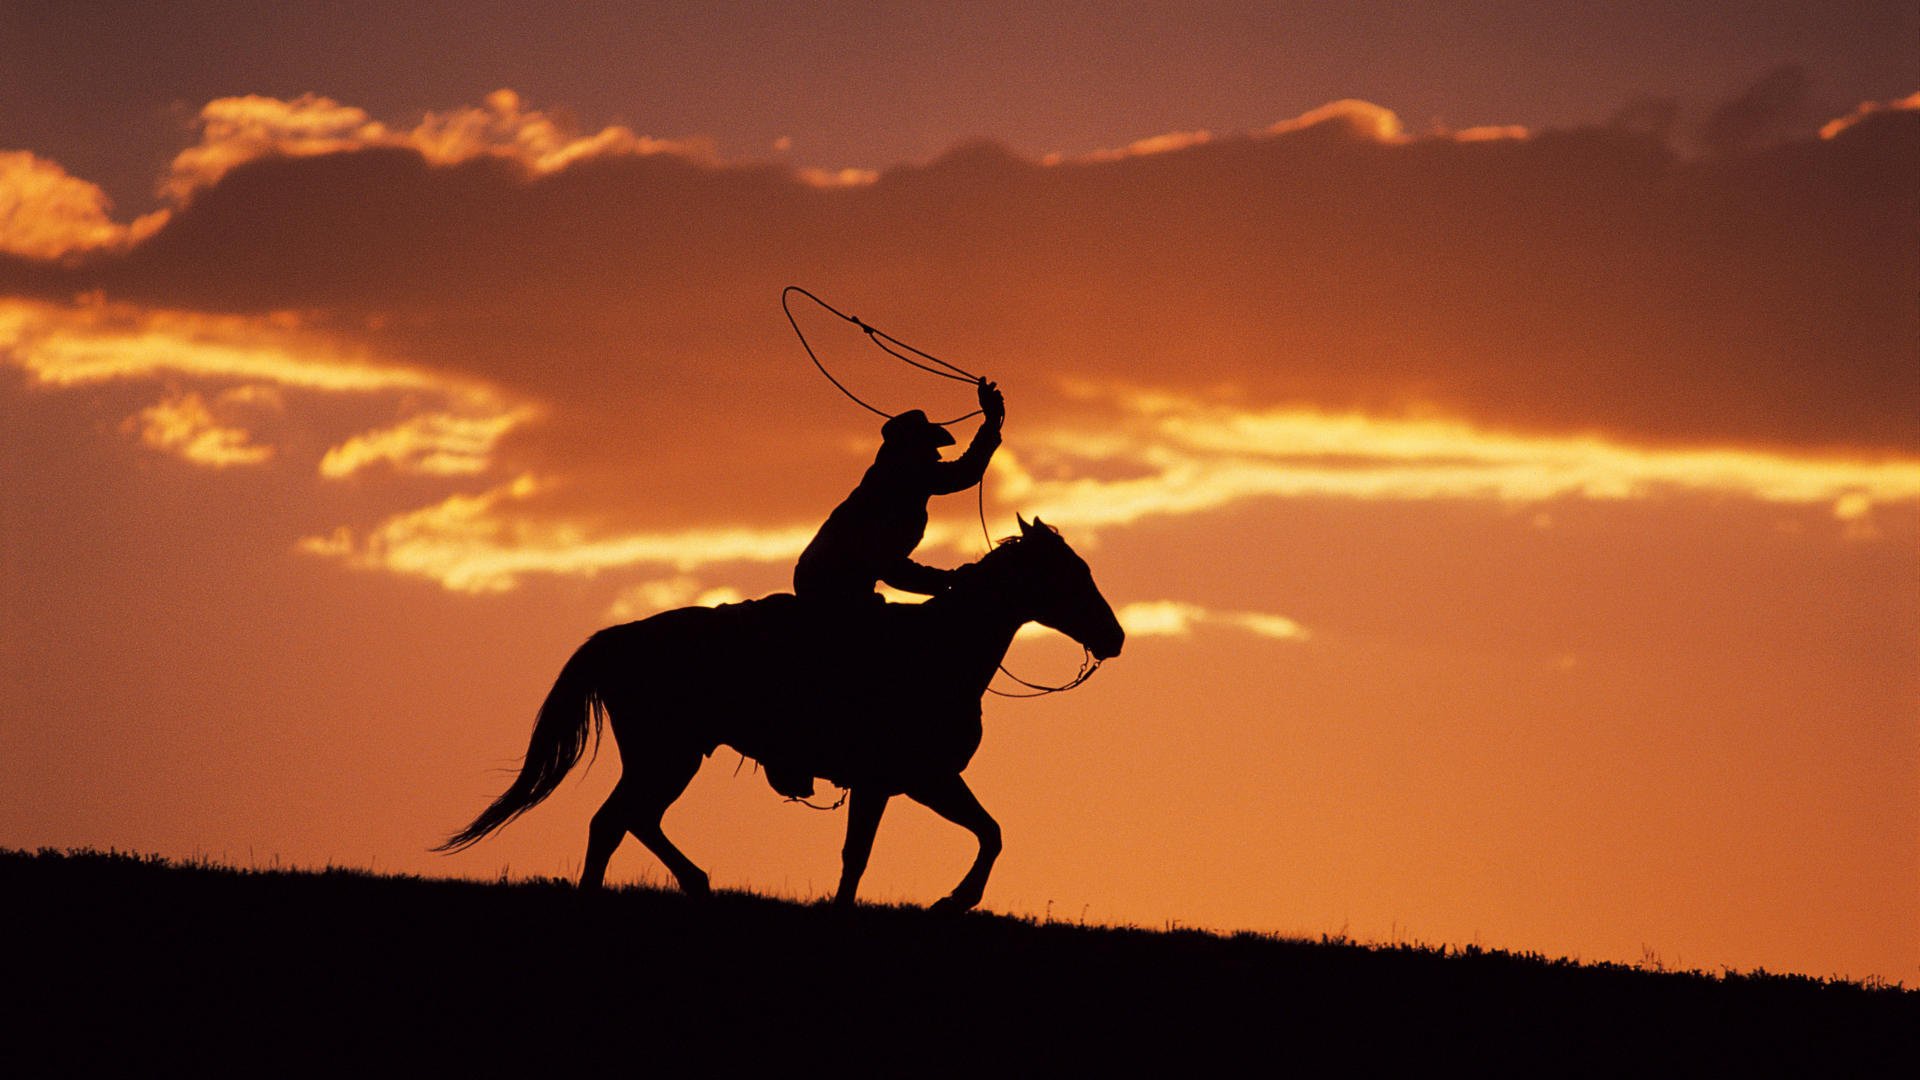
(1515, 523)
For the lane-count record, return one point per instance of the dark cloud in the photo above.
(1577, 280)
(1767, 108)
(1654, 117)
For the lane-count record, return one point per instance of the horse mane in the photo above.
(1003, 550)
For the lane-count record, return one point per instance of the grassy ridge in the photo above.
(116, 961)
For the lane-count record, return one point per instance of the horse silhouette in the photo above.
(882, 702)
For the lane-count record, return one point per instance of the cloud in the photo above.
(1360, 120)
(47, 214)
(1584, 280)
(1833, 128)
(236, 130)
(183, 424)
(1349, 116)
(1137, 457)
(1765, 108)
(486, 542)
(838, 178)
(95, 341)
(653, 597)
(1654, 117)
(1152, 144)
(571, 343)
(1161, 455)
(437, 444)
(1174, 618)
(457, 421)
(1491, 133)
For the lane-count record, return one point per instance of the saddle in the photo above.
(826, 652)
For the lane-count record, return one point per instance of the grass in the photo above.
(115, 962)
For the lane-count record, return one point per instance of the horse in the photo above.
(883, 701)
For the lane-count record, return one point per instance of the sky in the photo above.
(1497, 425)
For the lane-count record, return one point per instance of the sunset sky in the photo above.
(1497, 424)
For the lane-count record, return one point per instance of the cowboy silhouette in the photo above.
(871, 535)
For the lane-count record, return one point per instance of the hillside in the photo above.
(115, 962)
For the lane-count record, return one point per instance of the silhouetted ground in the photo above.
(122, 964)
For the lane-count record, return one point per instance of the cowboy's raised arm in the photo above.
(966, 470)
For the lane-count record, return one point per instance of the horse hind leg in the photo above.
(652, 789)
(604, 833)
(636, 806)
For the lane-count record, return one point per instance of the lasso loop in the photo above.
(885, 342)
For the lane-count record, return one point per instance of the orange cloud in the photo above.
(1490, 133)
(255, 359)
(1362, 119)
(47, 214)
(838, 178)
(1833, 128)
(653, 597)
(435, 444)
(236, 130)
(1180, 456)
(97, 341)
(1157, 456)
(1174, 618)
(183, 424)
(486, 542)
(1147, 147)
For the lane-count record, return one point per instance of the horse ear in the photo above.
(1025, 528)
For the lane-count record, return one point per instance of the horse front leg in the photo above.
(952, 799)
(863, 821)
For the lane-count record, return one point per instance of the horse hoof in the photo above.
(952, 905)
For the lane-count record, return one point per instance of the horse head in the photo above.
(1058, 588)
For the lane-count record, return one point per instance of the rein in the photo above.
(1088, 665)
(887, 343)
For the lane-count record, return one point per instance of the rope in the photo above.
(886, 342)
(1088, 665)
(880, 339)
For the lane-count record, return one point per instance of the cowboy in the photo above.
(871, 535)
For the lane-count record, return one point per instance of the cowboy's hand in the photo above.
(992, 402)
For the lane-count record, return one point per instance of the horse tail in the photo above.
(559, 738)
